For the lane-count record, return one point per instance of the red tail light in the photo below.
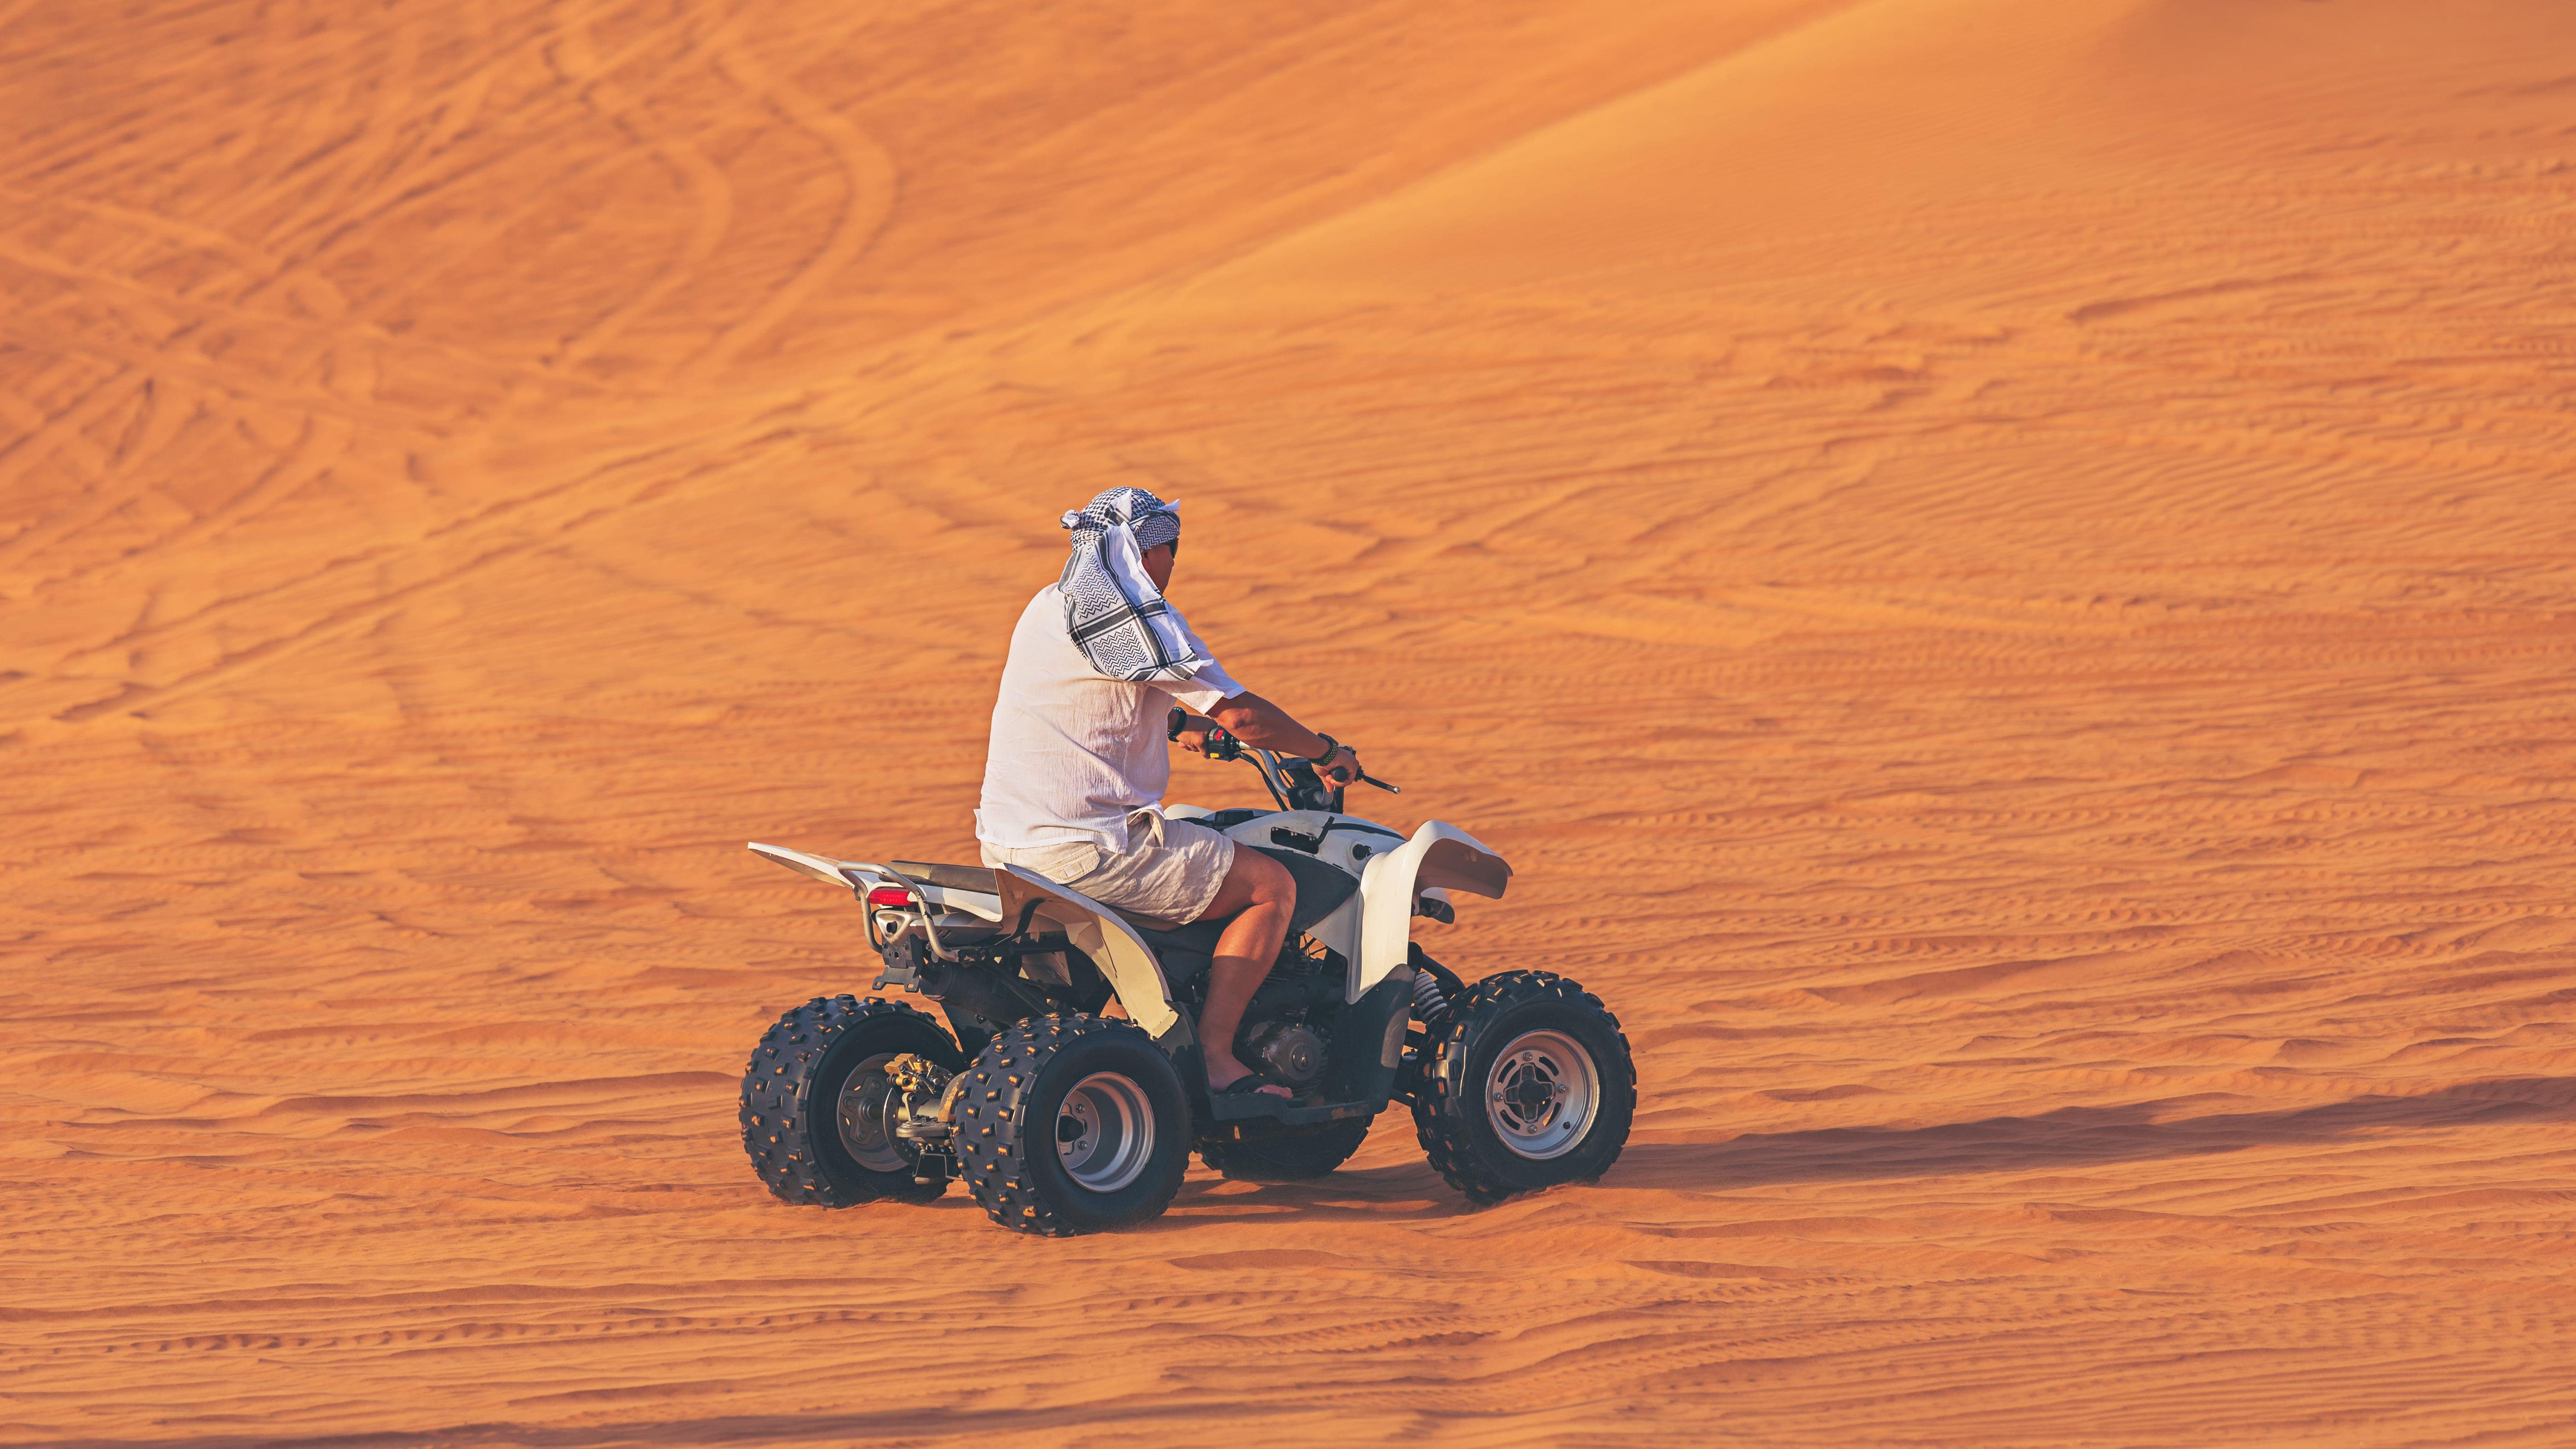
(894, 896)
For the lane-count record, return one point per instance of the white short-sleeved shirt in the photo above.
(1074, 750)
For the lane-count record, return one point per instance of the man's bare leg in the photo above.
(1264, 892)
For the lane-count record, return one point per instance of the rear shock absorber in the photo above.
(1430, 1007)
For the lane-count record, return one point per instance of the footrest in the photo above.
(1256, 1107)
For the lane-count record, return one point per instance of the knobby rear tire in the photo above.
(791, 1093)
(1014, 1111)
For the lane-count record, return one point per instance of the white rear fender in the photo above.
(858, 875)
(1089, 927)
(821, 867)
(1441, 857)
(1097, 932)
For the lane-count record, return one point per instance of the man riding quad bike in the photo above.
(1122, 983)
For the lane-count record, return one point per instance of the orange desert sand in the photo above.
(2001, 569)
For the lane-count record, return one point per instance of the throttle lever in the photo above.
(1365, 778)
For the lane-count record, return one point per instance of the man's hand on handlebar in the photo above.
(1201, 736)
(1343, 770)
(1248, 720)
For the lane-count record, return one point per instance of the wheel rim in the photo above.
(867, 1095)
(1104, 1132)
(1542, 1094)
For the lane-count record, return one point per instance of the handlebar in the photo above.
(1299, 775)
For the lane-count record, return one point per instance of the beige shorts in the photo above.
(1170, 870)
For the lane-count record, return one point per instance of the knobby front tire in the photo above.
(1527, 1084)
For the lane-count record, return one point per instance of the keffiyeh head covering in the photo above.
(1111, 609)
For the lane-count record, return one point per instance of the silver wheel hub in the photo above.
(1104, 1132)
(1542, 1094)
(865, 1114)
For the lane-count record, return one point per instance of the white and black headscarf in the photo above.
(1111, 609)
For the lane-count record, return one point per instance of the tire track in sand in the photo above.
(868, 176)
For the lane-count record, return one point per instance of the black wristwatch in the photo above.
(1332, 747)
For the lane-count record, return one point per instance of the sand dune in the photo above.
(2000, 568)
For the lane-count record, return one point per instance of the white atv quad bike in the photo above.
(1061, 1120)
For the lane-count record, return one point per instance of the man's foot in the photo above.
(1250, 1085)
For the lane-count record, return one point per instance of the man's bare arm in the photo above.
(1259, 723)
(1263, 725)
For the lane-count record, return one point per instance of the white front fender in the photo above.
(1439, 855)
